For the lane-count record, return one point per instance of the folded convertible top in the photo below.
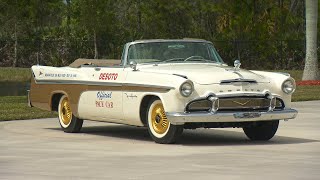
(99, 62)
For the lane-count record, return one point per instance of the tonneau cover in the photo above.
(99, 62)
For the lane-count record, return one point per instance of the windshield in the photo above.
(173, 52)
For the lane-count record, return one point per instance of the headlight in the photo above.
(288, 86)
(186, 88)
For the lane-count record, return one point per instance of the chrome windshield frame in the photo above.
(127, 46)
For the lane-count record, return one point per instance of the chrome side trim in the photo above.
(100, 83)
(77, 82)
(179, 118)
(147, 86)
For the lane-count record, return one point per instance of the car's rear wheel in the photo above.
(262, 131)
(68, 122)
(160, 129)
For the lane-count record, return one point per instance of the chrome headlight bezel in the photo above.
(186, 88)
(288, 86)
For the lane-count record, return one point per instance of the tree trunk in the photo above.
(14, 64)
(68, 15)
(311, 69)
(96, 54)
(139, 16)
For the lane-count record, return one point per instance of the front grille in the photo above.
(244, 103)
(200, 105)
(229, 104)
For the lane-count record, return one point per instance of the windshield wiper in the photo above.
(206, 60)
(174, 59)
(184, 60)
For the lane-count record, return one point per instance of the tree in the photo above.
(13, 24)
(97, 18)
(311, 69)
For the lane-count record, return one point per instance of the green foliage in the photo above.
(260, 33)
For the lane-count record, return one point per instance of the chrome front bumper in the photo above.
(181, 118)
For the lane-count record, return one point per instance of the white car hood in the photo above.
(204, 73)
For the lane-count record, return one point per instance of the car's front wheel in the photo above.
(68, 122)
(160, 129)
(262, 131)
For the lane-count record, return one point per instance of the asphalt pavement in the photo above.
(38, 149)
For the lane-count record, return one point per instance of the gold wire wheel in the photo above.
(65, 111)
(159, 120)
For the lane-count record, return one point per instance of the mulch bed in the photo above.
(309, 83)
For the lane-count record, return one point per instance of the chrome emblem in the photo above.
(240, 103)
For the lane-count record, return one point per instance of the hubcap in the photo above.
(159, 120)
(65, 112)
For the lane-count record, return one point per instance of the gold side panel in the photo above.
(41, 94)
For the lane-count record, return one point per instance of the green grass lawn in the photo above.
(306, 93)
(15, 74)
(15, 108)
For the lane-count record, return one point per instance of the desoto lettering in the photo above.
(108, 76)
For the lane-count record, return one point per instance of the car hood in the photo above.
(204, 73)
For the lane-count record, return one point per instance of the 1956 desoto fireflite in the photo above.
(167, 86)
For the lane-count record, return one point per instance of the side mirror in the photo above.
(237, 65)
(133, 65)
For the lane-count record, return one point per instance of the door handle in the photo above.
(97, 68)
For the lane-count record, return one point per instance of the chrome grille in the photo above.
(251, 103)
(259, 103)
(201, 105)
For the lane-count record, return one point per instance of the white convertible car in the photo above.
(167, 86)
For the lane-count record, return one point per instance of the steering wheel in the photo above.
(192, 57)
(88, 64)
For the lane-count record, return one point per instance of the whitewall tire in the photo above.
(160, 129)
(68, 122)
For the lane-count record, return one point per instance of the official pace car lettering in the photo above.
(104, 104)
(59, 75)
(104, 95)
(108, 76)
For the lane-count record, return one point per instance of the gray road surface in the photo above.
(38, 149)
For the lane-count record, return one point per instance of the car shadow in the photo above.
(119, 131)
(199, 137)
(220, 137)
(116, 131)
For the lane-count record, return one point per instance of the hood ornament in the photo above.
(237, 65)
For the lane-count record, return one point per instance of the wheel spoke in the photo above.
(65, 112)
(159, 119)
